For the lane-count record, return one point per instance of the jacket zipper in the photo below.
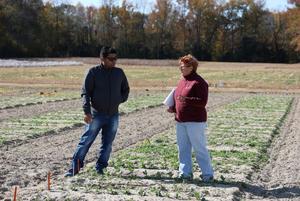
(109, 91)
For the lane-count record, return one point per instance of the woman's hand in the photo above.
(171, 110)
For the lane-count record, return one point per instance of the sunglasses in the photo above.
(112, 58)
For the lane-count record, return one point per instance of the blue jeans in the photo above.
(192, 135)
(108, 126)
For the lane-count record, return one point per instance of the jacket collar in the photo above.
(101, 66)
(190, 76)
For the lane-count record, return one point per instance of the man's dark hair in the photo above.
(105, 51)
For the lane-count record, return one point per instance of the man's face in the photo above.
(110, 60)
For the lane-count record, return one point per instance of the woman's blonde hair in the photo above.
(189, 60)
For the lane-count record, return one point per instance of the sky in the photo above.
(273, 5)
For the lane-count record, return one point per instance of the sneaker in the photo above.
(100, 171)
(70, 173)
(207, 178)
(185, 178)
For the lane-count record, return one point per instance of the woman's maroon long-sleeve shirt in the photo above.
(194, 92)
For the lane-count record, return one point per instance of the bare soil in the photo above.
(27, 164)
(280, 178)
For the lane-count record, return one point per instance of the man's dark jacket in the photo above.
(104, 89)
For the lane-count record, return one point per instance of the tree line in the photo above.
(235, 30)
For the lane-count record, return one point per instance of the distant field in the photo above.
(219, 75)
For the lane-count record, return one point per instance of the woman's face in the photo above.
(185, 69)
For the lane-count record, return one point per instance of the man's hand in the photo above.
(88, 118)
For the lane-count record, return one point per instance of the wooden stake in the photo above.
(15, 193)
(49, 180)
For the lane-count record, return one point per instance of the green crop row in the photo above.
(22, 128)
(150, 167)
(142, 101)
(35, 98)
(251, 119)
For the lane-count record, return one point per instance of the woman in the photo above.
(190, 99)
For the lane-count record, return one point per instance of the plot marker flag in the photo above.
(169, 100)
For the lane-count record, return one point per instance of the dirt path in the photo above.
(27, 165)
(280, 178)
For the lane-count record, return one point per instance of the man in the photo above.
(104, 88)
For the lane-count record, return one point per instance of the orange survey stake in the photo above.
(15, 193)
(49, 182)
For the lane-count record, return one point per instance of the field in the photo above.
(253, 134)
